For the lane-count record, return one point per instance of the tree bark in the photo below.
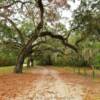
(19, 65)
(27, 49)
(30, 61)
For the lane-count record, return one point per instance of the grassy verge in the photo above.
(86, 72)
(6, 69)
(9, 69)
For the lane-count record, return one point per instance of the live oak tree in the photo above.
(86, 20)
(86, 26)
(34, 12)
(26, 24)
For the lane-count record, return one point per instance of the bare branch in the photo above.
(79, 40)
(18, 31)
(63, 40)
(11, 44)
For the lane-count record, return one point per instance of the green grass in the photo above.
(86, 72)
(9, 69)
(6, 69)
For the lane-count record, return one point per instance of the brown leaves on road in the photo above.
(12, 85)
(47, 81)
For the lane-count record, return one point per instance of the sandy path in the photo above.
(51, 87)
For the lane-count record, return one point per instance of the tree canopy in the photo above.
(31, 26)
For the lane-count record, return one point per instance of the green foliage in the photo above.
(86, 32)
(87, 19)
(7, 57)
(85, 26)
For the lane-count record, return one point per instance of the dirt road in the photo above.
(51, 87)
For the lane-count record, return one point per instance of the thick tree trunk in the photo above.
(49, 60)
(19, 65)
(27, 49)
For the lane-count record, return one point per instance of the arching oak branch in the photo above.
(63, 40)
